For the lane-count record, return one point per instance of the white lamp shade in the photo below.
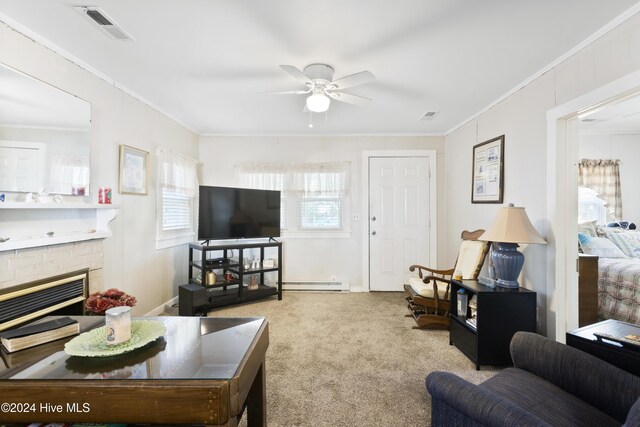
(512, 225)
(318, 102)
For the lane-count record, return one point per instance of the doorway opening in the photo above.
(563, 123)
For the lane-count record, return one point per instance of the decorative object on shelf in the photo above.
(78, 191)
(51, 233)
(94, 342)
(4, 239)
(253, 283)
(488, 171)
(58, 198)
(100, 302)
(43, 196)
(28, 198)
(511, 226)
(2, 197)
(134, 165)
(268, 263)
(462, 303)
(211, 278)
(104, 195)
(118, 325)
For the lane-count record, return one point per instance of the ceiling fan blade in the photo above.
(352, 80)
(297, 74)
(349, 98)
(287, 92)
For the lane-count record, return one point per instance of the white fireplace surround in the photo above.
(29, 225)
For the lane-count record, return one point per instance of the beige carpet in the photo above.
(342, 359)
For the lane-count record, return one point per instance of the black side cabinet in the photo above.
(499, 313)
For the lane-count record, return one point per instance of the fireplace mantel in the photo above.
(29, 225)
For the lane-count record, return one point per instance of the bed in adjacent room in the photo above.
(618, 280)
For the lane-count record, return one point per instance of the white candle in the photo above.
(118, 325)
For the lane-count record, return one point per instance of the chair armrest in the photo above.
(585, 376)
(469, 404)
(420, 268)
(436, 279)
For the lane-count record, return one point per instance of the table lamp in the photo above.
(511, 226)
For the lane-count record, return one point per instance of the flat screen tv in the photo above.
(238, 213)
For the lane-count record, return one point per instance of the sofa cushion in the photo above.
(545, 400)
(633, 419)
(426, 290)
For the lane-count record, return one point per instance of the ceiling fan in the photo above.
(318, 78)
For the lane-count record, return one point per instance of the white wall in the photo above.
(131, 261)
(522, 118)
(317, 259)
(627, 149)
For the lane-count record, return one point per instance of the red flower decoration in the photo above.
(99, 302)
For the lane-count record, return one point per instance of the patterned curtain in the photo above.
(603, 176)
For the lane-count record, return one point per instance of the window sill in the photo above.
(169, 242)
(316, 234)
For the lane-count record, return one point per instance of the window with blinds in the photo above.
(177, 210)
(177, 187)
(320, 213)
(314, 195)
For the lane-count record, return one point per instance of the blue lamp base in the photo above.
(508, 263)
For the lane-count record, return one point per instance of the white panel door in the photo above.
(398, 219)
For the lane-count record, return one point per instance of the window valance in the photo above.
(311, 179)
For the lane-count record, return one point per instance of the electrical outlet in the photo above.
(333, 278)
(355, 217)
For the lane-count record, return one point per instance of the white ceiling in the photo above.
(618, 118)
(204, 62)
(27, 102)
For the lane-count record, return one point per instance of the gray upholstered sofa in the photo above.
(551, 384)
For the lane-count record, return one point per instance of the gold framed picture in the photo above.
(134, 170)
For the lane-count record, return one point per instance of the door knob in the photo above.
(373, 218)
(373, 233)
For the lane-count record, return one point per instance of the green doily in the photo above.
(94, 342)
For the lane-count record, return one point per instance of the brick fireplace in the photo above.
(21, 266)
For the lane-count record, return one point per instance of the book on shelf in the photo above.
(38, 333)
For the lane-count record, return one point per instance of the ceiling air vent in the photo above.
(429, 115)
(104, 22)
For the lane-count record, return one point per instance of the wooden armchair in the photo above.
(428, 294)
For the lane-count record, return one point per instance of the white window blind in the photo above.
(178, 189)
(176, 210)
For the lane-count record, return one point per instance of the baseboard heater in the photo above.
(59, 295)
(315, 285)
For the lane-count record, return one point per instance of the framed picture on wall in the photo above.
(487, 179)
(134, 170)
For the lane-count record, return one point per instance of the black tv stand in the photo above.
(235, 282)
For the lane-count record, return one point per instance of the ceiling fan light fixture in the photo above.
(318, 102)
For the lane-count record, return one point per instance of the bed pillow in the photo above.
(600, 246)
(588, 228)
(628, 242)
(604, 231)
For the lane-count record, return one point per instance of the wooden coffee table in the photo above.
(204, 371)
(626, 357)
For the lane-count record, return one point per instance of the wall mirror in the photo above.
(44, 137)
